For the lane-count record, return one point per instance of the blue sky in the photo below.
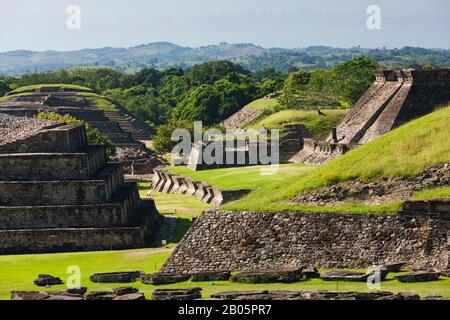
(41, 25)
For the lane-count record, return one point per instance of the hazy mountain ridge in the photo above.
(166, 54)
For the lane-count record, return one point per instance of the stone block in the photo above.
(44, 280)
(77, 291)
(130, 297)
(100, 296)
(115, 277)
(125, 290)
(341, 275)
(177, 294)
(206, 276)
(164, 278)
(269, 276)
(420, 276)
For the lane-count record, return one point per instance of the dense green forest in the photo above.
(212, 91)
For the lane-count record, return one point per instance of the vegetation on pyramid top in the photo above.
(66, 87)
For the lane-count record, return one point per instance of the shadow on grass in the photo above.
(183, 226)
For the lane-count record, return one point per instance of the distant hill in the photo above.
(252, 57)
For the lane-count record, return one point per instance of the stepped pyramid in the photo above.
(59, 194)
(395, 98)
(126, 132)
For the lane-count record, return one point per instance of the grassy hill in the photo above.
(318, 125)
(264, 104)
(403, 152)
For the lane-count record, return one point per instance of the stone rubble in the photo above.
(115, 277)
(46, 280)
(177, 294)
(420, 276)
(378, 192)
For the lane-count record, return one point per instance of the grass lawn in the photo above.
(436, 193)
(318, 125)
(243, 178)
(18, 272)
(403, 152)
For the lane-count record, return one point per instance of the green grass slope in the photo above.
(318, 125)
(403, 152)
(264, 104)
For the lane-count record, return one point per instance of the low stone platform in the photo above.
(46, 280)
(177, 294)
(420, 276)
(115, 277)
(164, 278)
(312, 295)
(269, 276)
(211, 276)
(118, 294)
(340, 275)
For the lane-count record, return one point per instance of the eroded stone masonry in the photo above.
(419, 236)
(395, 98)
(57, 193)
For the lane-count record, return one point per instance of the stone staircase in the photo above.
(137, 128)
(58, 194)
(366, 111)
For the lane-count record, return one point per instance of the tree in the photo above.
(200, 104)
(349, 80)
(162, 141)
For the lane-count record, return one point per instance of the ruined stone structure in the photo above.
(247, 152)
(419, 236)
(59, 194)
(395, 98)
(126, 132)
(167, 182)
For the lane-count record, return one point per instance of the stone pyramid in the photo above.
(59, 194)
(395, 98)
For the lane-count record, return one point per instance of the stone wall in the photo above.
(167, 182)
(66, 240)
(52, 166)
(61, 192)
(65, 139)
(254, 240)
